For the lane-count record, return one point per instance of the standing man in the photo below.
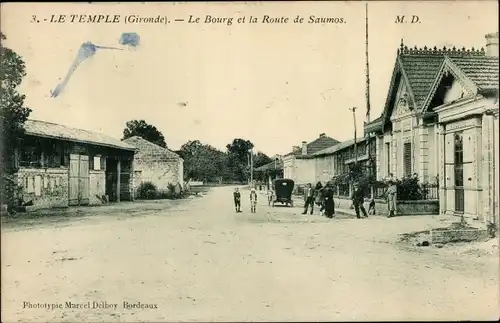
(237, 200)
(358, 198)
(253, 200)
(391, 197)
(308, 199)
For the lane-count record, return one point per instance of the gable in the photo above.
(402, 104)
(454, 92)
(450, 85)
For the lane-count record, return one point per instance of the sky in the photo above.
(273, 84)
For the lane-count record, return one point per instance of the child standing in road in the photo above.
(237, 200)
(253, 200)
(270, 196)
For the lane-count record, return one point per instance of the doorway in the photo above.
(78, 180)
(111, 179)
(459, 173)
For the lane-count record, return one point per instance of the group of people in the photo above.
(237, 200)
(322, 196)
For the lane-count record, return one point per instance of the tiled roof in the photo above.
(149, 148)
(314, 146)
(338, 147)
(482, 70)
(52, 130)
(421, 66)
(421, 71)
(374, 124)
(270, 165)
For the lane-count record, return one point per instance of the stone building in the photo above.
(300, 164)
(439, 121)
(156, 164)
(59, 166)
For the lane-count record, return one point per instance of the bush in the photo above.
(409, 189)
(147, 191)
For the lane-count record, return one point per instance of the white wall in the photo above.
(304, 171)
(325, 169)
(288, 167)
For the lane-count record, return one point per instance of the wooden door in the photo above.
(78, 179)
(84, 180)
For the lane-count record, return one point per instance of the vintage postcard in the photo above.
(249, 161)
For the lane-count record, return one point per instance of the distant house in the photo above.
(336, 160)
(300, 165)
(155, 164)
(271, 170)
(59, 166)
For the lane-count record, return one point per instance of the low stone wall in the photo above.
(403, 208)
(459, 235)
(45, 187)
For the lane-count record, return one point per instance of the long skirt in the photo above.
(329, 207)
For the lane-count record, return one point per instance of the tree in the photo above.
(261, 159)
(238, 153)
(144, 130)
(203, 162)
(239, 148)
(13, 115)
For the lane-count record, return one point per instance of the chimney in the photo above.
(304, 148)
(492, 44)
(322, 135)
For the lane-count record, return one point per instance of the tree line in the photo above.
(203, 162)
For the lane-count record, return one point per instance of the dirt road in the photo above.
(200, 261)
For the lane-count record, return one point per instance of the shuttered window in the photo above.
(407, 158)
(388, 156)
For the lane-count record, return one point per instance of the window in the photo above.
(29, 156)
(388, 156)
(407, 159)
(97, 163)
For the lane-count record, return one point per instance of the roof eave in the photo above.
(34, 134)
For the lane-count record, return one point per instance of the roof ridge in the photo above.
(405, 50)
(70, 127)
(153, 144)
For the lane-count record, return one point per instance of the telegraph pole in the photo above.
(367, 92)
(251, 168)
(353, 109)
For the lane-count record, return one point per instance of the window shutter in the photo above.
(407, 159)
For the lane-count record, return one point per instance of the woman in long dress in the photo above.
(328, 200)
(319, 197)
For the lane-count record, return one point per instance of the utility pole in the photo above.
(367, 93)
(251, 168)
(353, 109)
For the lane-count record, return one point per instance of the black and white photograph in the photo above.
(258, 161)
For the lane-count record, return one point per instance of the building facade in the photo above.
(59, 166)
(439, 122)
(337, 160)
(156, 164)
(300, 164)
